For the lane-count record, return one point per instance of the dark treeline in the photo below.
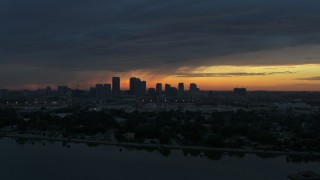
(277, 130)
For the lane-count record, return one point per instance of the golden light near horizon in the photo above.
(282, 78)
(293, 77)
(266, 74)
(284, 69)
(273, 78)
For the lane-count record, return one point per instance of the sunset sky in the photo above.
(218, 44)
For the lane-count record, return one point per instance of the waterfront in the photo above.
(57, 160)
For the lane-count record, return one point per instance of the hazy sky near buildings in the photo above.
(81, 41)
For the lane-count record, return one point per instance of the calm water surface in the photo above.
(58, 161)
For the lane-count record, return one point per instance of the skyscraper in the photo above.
(48, 91)
(103, 91)
(159, 89)
(167, 88)
(63, 91)
(194, 91)
(136, 86)
(93, 92)
(180, 89)
(116, 85)
(172, 92)
(99, 91)
(106, 91)
(193, 88)
(143, 88)
(133, 84)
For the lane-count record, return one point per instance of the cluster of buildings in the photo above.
(106, 91)
(161, 97)
(240, 91)
(137, 88)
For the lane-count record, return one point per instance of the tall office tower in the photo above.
(181, 90)
(193, 88)
(159, 89)
(48, 91)
(143, 88)
(93, 92)
(106, 91)
(138, 89)
(116, 85)
(133, 82)
(99, 91)
(167, 88)
(63, 91)
(172, 92)
(135, 86)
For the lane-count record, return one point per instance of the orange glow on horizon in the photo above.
(278, 78)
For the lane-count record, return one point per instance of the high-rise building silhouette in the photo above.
(159, 89)
(181, 90)
(167, 88)
(240, 91)
(99, 91)
(63, 91)
(143, 88)
(152, 92)
(116, 85)
(133, 85)
(194, 91)
(103, 91)
(193, 88)
(172, 92)
(106, 91)
(48, 91)
(92, 92)
(137, 87)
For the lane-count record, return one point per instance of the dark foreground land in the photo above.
(243, 130)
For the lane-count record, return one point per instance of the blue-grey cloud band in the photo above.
(122, 35)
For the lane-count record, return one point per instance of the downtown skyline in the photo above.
(254, 79)
(260, 45)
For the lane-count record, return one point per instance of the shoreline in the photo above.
(174, 147)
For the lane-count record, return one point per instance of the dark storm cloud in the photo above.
(230, 74)
(121, 35)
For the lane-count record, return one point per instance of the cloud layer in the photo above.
(63, 39)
